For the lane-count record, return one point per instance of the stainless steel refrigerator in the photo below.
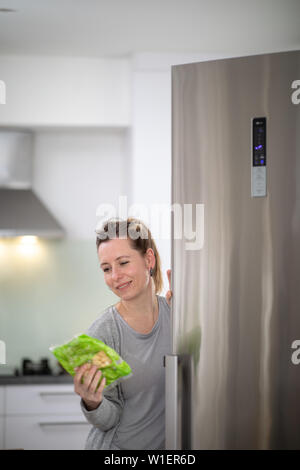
(233, 378)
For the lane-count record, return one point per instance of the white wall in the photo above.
(56, 91)
(48, 296)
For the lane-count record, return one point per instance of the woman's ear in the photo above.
(150, 258)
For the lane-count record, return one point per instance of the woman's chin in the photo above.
(127, 296)
(132, 291)
(130, 295)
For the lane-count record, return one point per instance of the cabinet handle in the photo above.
(62, 423)
(55, 393)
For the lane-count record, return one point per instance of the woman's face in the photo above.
(126, 271)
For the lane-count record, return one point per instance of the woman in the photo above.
(129, 415)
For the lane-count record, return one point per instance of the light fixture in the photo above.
(28, 245)
(28, 240)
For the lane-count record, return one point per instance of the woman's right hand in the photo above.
(86, 380)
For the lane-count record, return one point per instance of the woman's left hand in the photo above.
(169, 294)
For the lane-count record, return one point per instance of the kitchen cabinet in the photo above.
(41, 399)
(42, 417)
(46, 432)
(72, 92)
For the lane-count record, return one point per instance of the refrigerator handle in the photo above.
(178, 401)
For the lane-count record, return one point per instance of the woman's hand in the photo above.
(169, 294)
(86, 380)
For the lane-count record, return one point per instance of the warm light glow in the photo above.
(28, 246)
(28, 240)
(2, 249)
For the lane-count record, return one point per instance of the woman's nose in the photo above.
(115, 273)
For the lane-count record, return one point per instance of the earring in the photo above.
(151, 272)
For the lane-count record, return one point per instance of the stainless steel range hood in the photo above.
(21, 211)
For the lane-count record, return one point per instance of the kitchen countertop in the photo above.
(35, 379)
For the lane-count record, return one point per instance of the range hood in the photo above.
(21, 210)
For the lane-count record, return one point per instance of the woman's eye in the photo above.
(105, 270)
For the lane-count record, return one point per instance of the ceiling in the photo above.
(97, 28)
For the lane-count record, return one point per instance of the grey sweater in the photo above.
(107, 418)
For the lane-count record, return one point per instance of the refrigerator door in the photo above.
(236, 303)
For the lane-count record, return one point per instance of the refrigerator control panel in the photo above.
(259, 129)
(259, 157)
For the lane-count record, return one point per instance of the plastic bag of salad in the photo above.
(84, 348)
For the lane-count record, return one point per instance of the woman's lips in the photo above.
(124, 286)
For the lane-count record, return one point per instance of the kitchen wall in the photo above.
(49, 293)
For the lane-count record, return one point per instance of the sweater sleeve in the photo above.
(108, 413)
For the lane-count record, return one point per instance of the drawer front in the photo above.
(2, 406)
(42, 399)
(42, 432)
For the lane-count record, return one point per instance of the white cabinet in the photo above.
(46, 432)
(45, 91)
(41, 417)
(41, 399)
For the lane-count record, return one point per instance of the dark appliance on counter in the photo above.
(36, 368)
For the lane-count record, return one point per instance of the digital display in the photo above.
(259, 129)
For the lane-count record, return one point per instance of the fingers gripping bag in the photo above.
(83, 349)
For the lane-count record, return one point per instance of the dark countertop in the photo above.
(35, 379)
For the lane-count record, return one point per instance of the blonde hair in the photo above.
(140, 239)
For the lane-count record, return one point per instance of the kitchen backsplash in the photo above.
(49, 292)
